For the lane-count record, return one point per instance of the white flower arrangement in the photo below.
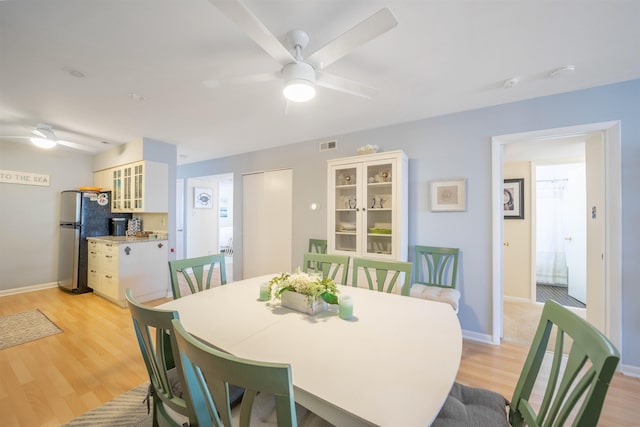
(310, 284)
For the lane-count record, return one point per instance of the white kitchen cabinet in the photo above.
(367, 206)
(141, 265)
(102, 179)
(140, 187)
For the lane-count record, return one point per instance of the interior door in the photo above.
(576, 232)
(596, 231)
(267, 222)
(180, 219)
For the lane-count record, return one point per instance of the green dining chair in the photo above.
(328, 265)
(436, 274)
(195, 268)
(576, 385)
(209, 373)
(318, 246)
(160, 353)
(387, 274)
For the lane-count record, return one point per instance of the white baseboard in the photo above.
(516, 299)
(630, 370)
(28, 289)
(476, 336)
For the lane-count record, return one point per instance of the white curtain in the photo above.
(551, 263)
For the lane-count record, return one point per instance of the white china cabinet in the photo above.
(367, 206)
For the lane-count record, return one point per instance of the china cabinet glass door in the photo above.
(346, 208)
(379, 208)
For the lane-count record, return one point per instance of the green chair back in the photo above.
(209, 373)
(159, 349)
(590, 365)
(436, 266)
(318, 246)
(386, 274)
(195, 268)
(328, 265)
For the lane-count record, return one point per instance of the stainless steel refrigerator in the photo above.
(82, 214)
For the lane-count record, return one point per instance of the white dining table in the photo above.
(392, 364)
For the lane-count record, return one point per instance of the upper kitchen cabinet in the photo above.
(139, 187)
(368, 206)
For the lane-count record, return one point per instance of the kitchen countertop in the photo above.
(123, 239)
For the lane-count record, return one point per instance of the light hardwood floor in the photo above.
(52, 380)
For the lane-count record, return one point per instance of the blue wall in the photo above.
(459, 145)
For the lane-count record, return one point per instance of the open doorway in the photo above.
(208, 218)
(561, 234)
(604, 213)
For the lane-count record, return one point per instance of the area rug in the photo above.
(27, 326)
(128, 409)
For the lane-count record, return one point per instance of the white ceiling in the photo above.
(443, 57)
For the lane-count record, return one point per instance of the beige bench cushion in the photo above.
(435, 293)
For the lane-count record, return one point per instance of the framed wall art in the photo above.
(513, 190)
(449, 195)
(202, 198)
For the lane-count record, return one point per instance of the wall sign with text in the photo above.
(24, 178)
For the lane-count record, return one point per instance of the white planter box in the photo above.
(302, 303)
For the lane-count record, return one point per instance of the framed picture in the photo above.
(449, 195)
(513, 198)
(202, 198)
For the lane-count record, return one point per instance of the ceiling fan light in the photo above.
(299, 90)
(43, 142)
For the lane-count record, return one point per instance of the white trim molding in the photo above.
(24, 289)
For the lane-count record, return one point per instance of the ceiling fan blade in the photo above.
(375, 25)
(253, 78)
(331, 81)
(77, 146)
(237, 12)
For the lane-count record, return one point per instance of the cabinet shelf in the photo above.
(380, 184)
(346, 233)
(379, 234)
(346, 186)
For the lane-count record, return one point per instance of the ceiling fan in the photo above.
(43, 136)
(302, 74)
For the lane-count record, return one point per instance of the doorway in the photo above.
(208, 218)
(561, 233)
(609, 214)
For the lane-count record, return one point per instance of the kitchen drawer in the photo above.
(93, 245)
(109, 286)
(109, 262)
(93, 278)
(109, 248)
(94, 258)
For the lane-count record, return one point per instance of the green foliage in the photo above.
(312, 285)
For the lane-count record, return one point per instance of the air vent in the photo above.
(329, 145)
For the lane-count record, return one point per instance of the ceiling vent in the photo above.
(329, 145)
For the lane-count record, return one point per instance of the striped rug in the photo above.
(20, 328)
(129, 409)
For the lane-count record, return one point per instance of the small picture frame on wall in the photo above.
(513, 203)
(449, 195)
(202, 198)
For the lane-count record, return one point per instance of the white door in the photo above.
(596, 221)
(179, 219)
(576, 232)
(267, 222)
